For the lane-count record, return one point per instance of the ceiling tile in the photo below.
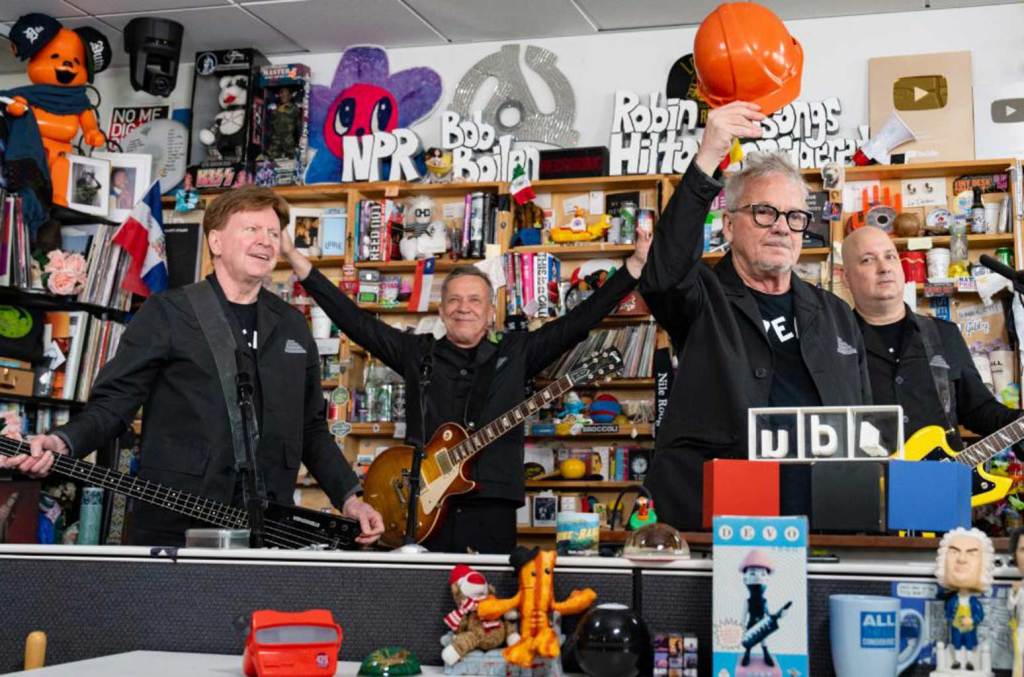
(219, 28)
(481, 20)
(10, 10)
(342, 23)
(116, 6)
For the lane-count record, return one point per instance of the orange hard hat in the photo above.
(743, 52)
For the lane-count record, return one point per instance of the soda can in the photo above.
(627, 210)
(615, 232)
(1005, 254)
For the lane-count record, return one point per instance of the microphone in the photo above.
(1000, 268)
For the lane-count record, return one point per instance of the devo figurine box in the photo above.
(759, 597)
(281, 123)
(223, 149)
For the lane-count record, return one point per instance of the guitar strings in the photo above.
(294, 537)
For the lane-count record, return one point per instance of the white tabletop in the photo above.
(169, 664)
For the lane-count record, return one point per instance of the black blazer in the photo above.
(725, 359)
(164, 363)
(517, 356)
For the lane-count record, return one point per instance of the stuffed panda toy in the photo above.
(226, 136)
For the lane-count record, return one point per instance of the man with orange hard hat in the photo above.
(748, 332)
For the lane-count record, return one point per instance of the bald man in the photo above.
(919, 362)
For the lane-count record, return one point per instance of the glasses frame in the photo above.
(750, 207)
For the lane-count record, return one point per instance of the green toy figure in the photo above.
(284, 125)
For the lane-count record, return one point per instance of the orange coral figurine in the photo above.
(535, 601)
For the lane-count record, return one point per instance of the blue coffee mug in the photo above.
(864, 632)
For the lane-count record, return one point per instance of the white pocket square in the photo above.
(292, 346)
(844, 348)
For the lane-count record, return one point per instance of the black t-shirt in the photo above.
(792, 385)
(245, 313)
(888, 335)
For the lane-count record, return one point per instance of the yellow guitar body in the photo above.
(930, 443)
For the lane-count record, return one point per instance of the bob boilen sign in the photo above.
(659, 136)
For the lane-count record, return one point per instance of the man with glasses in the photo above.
(747, 332)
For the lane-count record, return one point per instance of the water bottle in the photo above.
(958, 261)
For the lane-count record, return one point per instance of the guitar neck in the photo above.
(472, 445)
(981, 451)
(148, 492)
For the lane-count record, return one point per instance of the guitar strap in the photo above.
(220, 337)
(938, 365)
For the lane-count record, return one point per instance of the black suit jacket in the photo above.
(725, 360)
(164, 363)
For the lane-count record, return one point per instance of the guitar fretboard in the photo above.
(981, 451)
(501, 425)
(165, 497)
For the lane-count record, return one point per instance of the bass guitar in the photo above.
(284, 526)
(930, 444)
(448, 454)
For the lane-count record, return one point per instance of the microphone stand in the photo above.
(418, 452)
(1000, 268)
(253, 502)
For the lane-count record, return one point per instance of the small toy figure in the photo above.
(285, 117)
(225, 138)
(964, 565)
(423, 237)
(535, 601)
(1015, 600)
(572, 417)
(439, 166)
(643, 514)
(468, 631)
(579, 231)
(756, 567)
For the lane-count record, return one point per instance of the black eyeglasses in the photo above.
(766, 215)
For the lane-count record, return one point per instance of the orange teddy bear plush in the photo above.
(535, 601)
(61, 62)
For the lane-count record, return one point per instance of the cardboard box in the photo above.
(759, 595)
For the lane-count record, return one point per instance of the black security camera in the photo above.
(154, 46)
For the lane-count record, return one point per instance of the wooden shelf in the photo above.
(917, 170)
(595, 485)
(400, 309)
(372, 430)
(395, 189)
(329, 383)
(612, 384)
(605, 183)
(807, 253)
(980, 240)
(643, 430)
(41, 401)
(322, 262)
(440, 266)
(578, 251)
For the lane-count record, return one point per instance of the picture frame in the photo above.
(130, 178)
(545, 509)
(304, 227)
(88, 189)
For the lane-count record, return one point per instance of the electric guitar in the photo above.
(447, 455)
(284, 526)
(930, 444)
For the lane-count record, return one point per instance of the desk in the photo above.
(105, 600)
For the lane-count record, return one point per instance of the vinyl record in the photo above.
(166, 141)
(682, 84)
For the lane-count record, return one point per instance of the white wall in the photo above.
(836, 53)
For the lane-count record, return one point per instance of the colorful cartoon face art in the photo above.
(364, 98)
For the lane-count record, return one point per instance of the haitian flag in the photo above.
(142, 237)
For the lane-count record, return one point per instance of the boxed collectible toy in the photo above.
(281, 123)
(759, 597)
(224, 147)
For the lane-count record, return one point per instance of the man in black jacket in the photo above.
(916, 361)
(474, 380)
(165, 363)
(748, 332)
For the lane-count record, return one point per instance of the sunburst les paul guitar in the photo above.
(284, 526)
(447, 456)
(930, 444)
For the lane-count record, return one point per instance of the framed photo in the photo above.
(304, 229)
(88, 185)
(545, 510)
(130, 177)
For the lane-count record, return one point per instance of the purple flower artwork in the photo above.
(363, 98)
